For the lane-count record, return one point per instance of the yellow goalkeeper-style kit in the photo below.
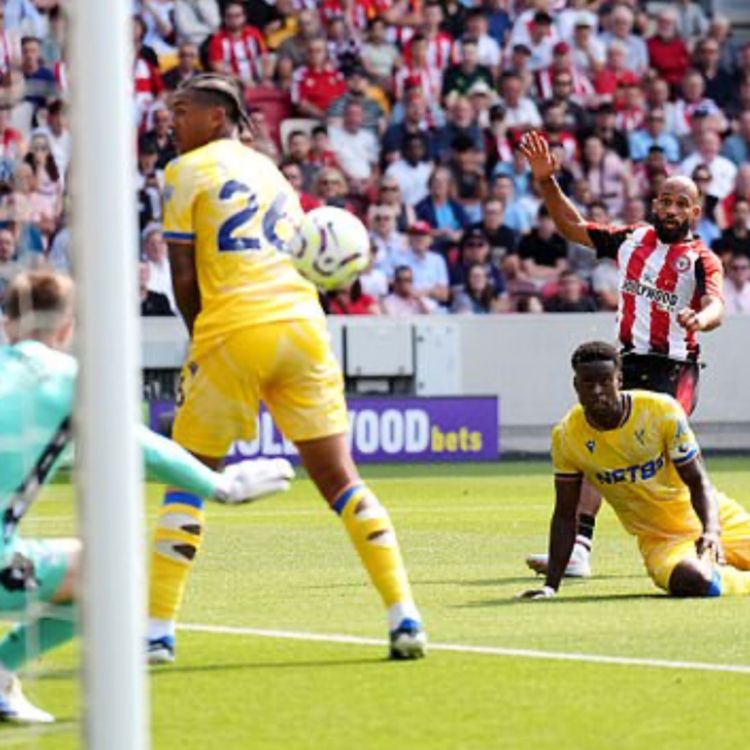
(260, 333)
(634, 468)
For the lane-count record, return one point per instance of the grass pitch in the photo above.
(286, 565)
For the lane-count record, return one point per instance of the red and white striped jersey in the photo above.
(582, 89)
(60, 71)
(440, 50)
(242, 53)
(148, 86)
(359, 13)
(10, 52)
(428, 79)
(657, 280)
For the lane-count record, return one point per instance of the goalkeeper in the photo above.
(36, 398)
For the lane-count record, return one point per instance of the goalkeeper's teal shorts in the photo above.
(44, 566)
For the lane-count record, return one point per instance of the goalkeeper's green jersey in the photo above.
(37, 388)
(37, 385)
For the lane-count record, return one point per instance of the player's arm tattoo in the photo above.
(185, 282)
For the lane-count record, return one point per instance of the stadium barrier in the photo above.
(522, 361)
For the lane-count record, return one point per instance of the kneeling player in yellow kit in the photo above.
(257, 333)
(637, 449)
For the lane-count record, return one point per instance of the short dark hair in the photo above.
(597, 204)
(56, 107)
(595, 351)
(401, 270)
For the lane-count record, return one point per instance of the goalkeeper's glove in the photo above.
(250, 480)
(546, 592)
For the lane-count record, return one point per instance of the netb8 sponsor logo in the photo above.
(637, 473)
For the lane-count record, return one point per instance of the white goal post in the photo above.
(109, 473)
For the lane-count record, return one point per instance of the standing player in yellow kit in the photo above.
(637, 449)
(257, 333)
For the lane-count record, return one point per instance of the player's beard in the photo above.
(670, 234)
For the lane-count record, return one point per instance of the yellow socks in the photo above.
(733, 581)
(373, 536)
(179, 531)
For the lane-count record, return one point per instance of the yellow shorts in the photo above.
(661, 555)
(288, 365)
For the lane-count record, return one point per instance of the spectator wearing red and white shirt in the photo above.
(439, 44)
(318, 84)
(148, 88)
(321, 154)
(238, 49)
(357, 14)
(10, 50)
(667, 52)
(12, 145)
(60, 71)
(418, 72)
(581, 89)
(630, 108)
(614, 73)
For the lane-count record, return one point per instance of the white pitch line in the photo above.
(524, 653)
(269, 513)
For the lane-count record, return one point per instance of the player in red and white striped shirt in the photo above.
(670, 289)
(239, 49)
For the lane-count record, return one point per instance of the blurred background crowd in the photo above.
(409, 113)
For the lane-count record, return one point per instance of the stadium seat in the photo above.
(275, 104)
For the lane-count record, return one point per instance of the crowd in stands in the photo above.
(409, 113)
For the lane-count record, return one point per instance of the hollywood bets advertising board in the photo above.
(389, 430)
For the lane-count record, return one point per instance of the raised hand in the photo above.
(541, 160)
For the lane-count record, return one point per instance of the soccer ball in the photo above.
(332, 248)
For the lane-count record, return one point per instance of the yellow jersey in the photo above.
(633, 466)
(238, 210)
